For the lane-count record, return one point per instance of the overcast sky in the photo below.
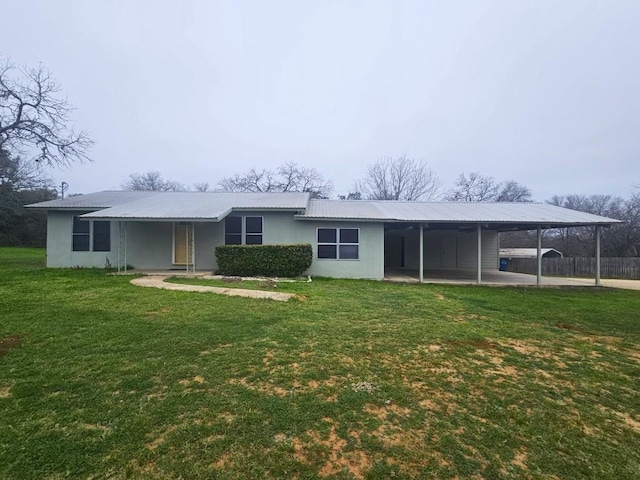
(542, 92)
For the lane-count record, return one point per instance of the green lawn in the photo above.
(356, 379)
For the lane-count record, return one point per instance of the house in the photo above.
(529, 253)
(351, 239)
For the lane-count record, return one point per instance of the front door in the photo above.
(183, 244)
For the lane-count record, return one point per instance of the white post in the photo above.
(479, 253)
(539, 257)
(193, 247)
(125, 247)
(119, 243)
(421, 266)
(598, 255)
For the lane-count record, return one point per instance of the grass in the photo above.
(358, 379)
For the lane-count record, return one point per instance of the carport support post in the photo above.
(598, 255)
(479, 253)
(539, 257)
(421, 266)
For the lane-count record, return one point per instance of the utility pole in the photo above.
(64, 186)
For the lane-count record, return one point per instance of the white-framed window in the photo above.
(243, 230)
(91, 236)
(338, 243)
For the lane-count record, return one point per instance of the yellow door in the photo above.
(183, 244)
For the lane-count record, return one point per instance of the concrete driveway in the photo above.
(498, 278)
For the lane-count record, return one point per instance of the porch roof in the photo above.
(448, 213)
(178, 206)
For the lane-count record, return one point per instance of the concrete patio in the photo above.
(489, 277)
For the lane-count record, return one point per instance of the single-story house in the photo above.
(529, 253)
(350, 239)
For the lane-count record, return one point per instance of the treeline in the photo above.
(402, 178)
(21, 183)
(620, 240)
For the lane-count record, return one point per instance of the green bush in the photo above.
(264, 260)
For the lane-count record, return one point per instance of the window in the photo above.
(243, 231)
(233, 231)
(338, 243)
(101, 236)
(83, 234)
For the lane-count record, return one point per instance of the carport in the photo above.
(458, 242)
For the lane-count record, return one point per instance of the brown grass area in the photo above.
(5, 392)
(624, 417)
(160, 311)
(161, 438)
(8, 343)
(336, 458)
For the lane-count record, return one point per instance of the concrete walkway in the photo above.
(158, 281)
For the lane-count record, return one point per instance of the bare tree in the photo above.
(618, 241)
(481, 188)
(202, 187)
(34, 120)
(152, 181)
(289, 177)
(401, 178)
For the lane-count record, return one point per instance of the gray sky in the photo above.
(541, 92)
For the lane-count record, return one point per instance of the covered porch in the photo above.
(462, 252)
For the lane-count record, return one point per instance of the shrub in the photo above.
(264, 260)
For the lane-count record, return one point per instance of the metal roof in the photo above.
(90, 201)
(120, 205)
(451, 212)
(176, 205)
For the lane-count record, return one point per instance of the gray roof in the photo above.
(451, 212)
(176, 205)
(200, 206)
(92, 201)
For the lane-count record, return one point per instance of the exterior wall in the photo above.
(281, 227)
(59, 243)
(468, 250)
(446, 249)
(150, 244)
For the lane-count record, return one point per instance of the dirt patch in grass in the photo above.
(160, 439)
(626, 418)
(633, 354)
(567, 326)
(5, 392)
(161, 311)
(8, 343)
(197, 379)
(383, 411)
(336, 458)
(481, 344)
(262, 387)
(223, 462)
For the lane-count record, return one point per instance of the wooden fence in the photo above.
(614, 267)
